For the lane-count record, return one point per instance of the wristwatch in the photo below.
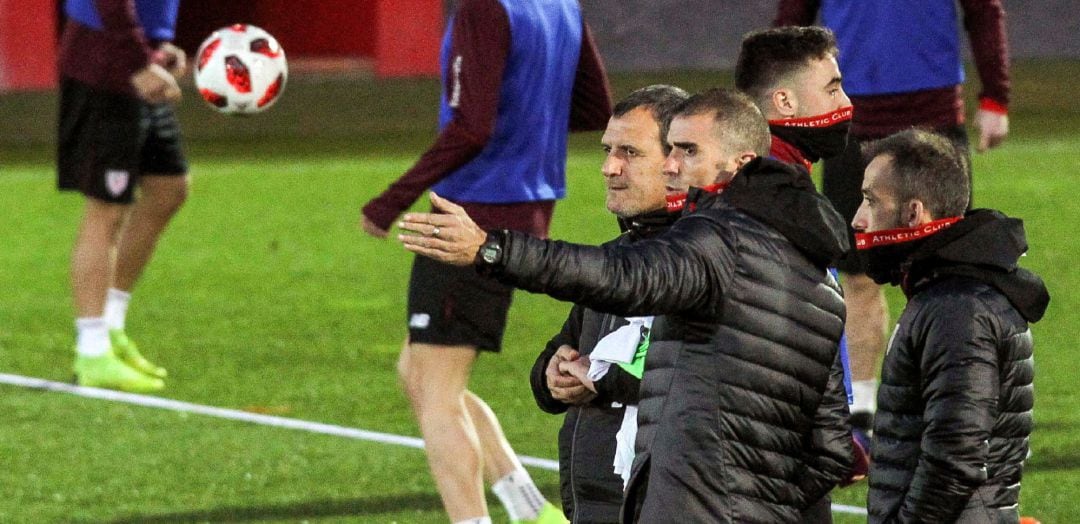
(491, 251)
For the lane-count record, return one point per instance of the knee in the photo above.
(175, 195)
(167, 196)
(410, 379)
(104, 216)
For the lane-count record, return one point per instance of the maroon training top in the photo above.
(107, 59)
(481, 36)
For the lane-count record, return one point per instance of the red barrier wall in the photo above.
(401, 37)
(408, 38)
(27, 44)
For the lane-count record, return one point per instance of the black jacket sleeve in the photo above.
(960, 393)
(829, 454)
(683, 271)
(570, 335)
(617, 386)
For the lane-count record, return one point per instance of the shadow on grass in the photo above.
(299, 510)
(309, 509)
(1043, 460)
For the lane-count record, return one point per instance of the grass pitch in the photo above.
(264, 295)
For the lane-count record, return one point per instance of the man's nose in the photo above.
(671, 165)
(612, 166)
(859, 222)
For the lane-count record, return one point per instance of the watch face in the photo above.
(490, 254)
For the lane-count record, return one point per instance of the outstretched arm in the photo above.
(683, 270)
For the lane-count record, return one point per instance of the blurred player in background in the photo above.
(902, 66)
(119, 145)
(569, 376)
(517, 76)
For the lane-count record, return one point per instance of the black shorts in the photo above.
(108, 140)
(455, 306)
(842, 184)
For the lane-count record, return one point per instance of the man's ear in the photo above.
(745, 157)
(915, 213)
(784, 102)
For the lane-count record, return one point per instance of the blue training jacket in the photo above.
(157, 17)
(920, 38)
(525, 158)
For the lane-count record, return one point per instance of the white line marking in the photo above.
(266, 420)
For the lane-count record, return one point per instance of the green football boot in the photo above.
(549, 514)
(109, 372)
(126, 350)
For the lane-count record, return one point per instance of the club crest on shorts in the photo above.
(116, 181)
(420, 321)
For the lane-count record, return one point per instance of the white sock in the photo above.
(865, 392)
(519, 495)
(116, 306)
(477, 520)
(92, 339)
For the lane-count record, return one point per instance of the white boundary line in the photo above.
(267, 420)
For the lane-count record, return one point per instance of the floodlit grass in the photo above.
(265, 296)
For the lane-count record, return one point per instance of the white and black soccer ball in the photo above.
(240, 69)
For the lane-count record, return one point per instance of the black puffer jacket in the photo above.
(591, 491)
(954, 405)
(732, 412)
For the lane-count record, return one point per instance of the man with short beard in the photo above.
(954, 406)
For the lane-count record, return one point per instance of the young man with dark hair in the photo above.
(518, 75)
(896, 85)
(954, 407)
(598, 392)
(743, 354)
(119, 145)
(793, 76)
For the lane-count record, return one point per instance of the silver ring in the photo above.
(435, 232)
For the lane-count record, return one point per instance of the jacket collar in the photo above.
(986, 245)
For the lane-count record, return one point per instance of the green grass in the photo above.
(264, 295)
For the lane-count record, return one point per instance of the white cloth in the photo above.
(619, 346)
(624, 444)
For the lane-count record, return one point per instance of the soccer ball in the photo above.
(240, 69)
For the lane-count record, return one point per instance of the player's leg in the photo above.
(499, 457)
(98, 145)
(163, 188)
(160, 197)
(435, 378)
(92, 256)
(867, 312)
(509, 480)
(455, 307)
(866, 328)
